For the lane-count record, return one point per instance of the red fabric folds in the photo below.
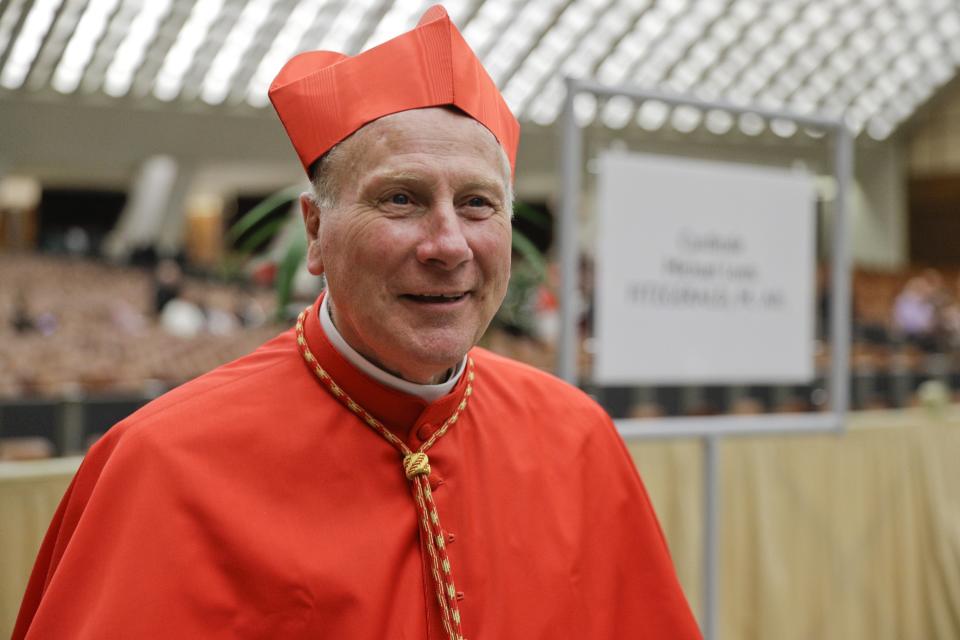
(250, 504)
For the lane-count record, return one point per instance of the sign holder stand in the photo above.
(710, 429)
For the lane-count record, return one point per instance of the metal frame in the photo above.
(710, 429)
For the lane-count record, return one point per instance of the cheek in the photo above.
(365, 258)
(495, 251)
(342, 242)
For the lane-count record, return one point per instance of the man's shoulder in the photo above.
(522, 380)
(217, 395)
(531, 408)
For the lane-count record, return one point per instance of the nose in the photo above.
(443, 243)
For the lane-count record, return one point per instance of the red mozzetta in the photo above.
(250, 503)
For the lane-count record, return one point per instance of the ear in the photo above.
(310, 210)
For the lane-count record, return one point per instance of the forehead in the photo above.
(434, 139)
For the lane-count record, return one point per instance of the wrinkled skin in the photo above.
(416, 249)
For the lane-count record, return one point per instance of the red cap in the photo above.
(322, 97)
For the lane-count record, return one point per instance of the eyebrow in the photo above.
(483, 184)
(397, 176)
(412, 179)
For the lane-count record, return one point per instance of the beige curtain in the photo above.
(29, 494)
(823, 537)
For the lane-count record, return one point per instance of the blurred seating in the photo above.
(71, 325)
(886, 364)
(78, 328)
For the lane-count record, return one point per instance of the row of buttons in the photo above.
(451, 538)
(424, 432)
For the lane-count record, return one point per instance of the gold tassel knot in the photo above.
(416, 464)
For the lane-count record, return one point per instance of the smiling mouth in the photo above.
(440, 298)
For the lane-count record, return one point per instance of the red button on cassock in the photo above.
(425, 431)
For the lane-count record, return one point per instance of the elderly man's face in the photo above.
(416, 250)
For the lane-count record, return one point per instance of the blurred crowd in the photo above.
(70, 324)
(917, 310)
(926, 312)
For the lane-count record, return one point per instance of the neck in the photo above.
(438, 378)
(428, 387)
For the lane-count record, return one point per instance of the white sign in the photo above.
(705, 272)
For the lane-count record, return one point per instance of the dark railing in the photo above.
(889, 378)
(69, 424)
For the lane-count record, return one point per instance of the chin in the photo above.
(439, 355)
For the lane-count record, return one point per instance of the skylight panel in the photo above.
(584, 108)
(459, 10)
(216, 84)
(130, 53)
(51, 50)
(783, 128)
(816, 15)
(193, 34)
(402, 16)
(855, 118)
(718, 121)
(28, 43)
(347, 24)
(614, 69)
(879, 128)
(725, 31)
(796, 35)
(948, 26)
(572, 24)
(283, 47)
(884, 19)
(519, 37)
(759, 35)
(652, 114)
(544, 110)
(928, 45)
(746, 11)
(751, 124)
(79, 50)
(870, 61)
(105, 52)
(617, 112)
(489, 22)
(940, 69)
(8, 21)
(685, 118)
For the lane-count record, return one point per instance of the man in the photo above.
(370, 474)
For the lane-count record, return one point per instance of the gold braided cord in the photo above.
(416, 467)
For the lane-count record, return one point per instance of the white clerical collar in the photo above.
(428, 392)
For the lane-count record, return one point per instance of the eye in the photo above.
(400, 198)
(477, 201)
(477, 207)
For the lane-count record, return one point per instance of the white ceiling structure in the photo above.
(872, 62)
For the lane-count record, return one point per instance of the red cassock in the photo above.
(250, 503)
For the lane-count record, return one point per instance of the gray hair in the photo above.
(323, 177)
